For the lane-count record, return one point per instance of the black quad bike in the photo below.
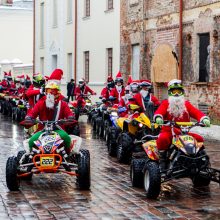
(186, 158)
(49, 155)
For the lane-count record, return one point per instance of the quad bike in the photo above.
(186, 158)
(93, 111)
(49, 155)
(133, 129)
(20, 110)
(82, 106)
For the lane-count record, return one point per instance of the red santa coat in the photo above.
(165, 137)
(33, 95)
(105, 93)
(118, 95)
(139, 100)
(86, 90)
(4, 84)
(45, 113)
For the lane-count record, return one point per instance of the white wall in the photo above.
(95, 34)
(16, 34)
(59, 40)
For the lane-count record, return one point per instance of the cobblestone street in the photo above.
(55, 196)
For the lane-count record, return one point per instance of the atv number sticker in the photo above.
(47, 161)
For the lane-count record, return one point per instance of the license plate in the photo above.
(47, 161)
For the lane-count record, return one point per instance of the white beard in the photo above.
(176, 106)
(50, 101)
(17, 86)
(144, 93)
(119, 88)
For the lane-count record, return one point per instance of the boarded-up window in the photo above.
(110, 4)
(87, 8)
(86, 65)
(204, 57)
(135, 64)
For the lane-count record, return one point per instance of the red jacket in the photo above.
(33, 95)
(45, 113)
(114, 93)
(85, 91)
(105, 93)
(139, 100)
(191, 112)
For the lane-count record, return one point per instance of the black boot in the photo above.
(163, 160)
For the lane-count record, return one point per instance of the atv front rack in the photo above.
(214, 175)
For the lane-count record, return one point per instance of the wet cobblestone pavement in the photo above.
(55, 196)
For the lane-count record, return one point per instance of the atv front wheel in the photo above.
(152, 180)
(12, 180)
(19, 156)
(136, 172)
(83, 178)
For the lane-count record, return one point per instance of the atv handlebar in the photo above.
(183, 124)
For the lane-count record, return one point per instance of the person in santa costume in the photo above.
(119, 89)
(177, 109)
(36, 90)
(107, 89)
(51, 107)
(82, 89)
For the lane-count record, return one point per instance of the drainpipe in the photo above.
(75, 41)
(180, 40)
(34, 36)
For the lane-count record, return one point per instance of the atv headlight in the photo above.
(114, 114)
(140, 125)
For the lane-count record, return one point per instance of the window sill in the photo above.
(200, 83)
(86, 18)
(109, 10)
(134, 4)
(69, 22)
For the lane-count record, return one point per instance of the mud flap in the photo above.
(75, 145)
(214, 175)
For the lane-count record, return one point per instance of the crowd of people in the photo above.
(47, 102)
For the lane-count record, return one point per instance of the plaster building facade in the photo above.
(16, 23)
(155, 34)
(80, 37)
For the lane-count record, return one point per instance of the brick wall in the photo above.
(161, 25)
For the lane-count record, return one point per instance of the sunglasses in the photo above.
(177, 92)
(52, 91)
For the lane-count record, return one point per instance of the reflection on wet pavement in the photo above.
(55, 196)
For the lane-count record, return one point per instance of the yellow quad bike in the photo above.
(133, 129)
(186, 158)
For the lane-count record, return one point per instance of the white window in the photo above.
(42, 65)
(54, 62)
(42, 24)
(54, 13)
(69, 10)
(135, 65)
(69, 66)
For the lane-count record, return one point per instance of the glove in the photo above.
(206, 122)
(159, 121)
(111, 98)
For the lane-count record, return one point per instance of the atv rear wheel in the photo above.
(136, 172)
(152, 180)
(83, 178)
(12, 180)
(122, 155)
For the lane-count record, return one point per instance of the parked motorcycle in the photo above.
(186, 158)
(49, 155)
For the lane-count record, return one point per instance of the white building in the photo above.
(81, 37)
(16, 25)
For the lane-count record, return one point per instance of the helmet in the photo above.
(111, 84)
(81, 82)
(53, 88)
(38, 80)
(146, 83)
(119, 80)
(175, 88)
(134, 87)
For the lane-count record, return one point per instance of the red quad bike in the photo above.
(49, 155)
(82, 106)
(186, 158)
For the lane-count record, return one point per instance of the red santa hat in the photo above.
(5, 74)
(119, 75)
(21, 78)
(109, 79)
(56, 76)
(28, 78)
(173, 82)
(129, 80)
(145, 82)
